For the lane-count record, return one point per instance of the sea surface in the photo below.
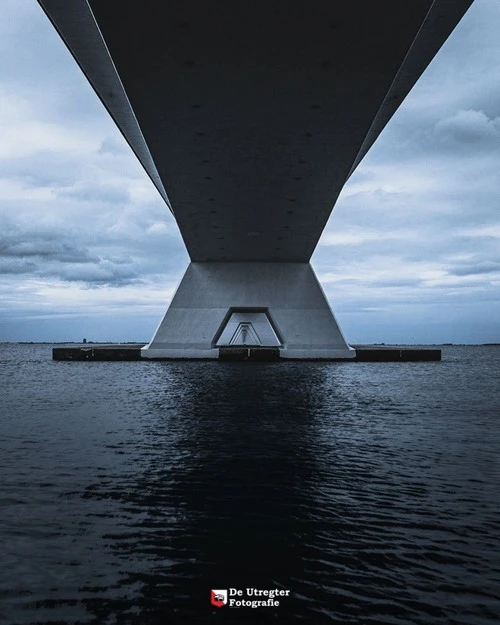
(370, 491)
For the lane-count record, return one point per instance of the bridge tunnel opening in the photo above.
(247, 328)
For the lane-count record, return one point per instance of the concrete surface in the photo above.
(288, 293)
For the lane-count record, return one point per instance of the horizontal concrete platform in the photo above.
(129, 352)
(257, 354)
(97, 351)
(377, 353)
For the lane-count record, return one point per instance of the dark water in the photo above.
(369, 490)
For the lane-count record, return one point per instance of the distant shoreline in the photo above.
(146, 342)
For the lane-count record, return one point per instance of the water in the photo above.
(369, 490)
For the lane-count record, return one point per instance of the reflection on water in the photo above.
(369, 490)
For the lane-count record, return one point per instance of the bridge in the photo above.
(249, 117)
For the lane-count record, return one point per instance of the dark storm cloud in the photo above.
(395, 283)
(476, 269)
(94, 275)
(465, 133)
(470, 128)
(48, 247)
(16, 266)
(49, 255)
(47, 250)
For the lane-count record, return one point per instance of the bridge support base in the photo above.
(254, 304)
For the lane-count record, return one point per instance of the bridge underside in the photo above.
(249, 118)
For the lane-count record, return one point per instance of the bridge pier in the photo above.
(254, 304)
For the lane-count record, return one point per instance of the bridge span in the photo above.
(249, 116)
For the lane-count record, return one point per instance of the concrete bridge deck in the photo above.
(249, 117)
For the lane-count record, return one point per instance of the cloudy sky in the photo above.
(88, 249)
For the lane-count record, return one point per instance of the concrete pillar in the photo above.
(229, 303)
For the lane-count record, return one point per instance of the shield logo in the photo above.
(218, 598)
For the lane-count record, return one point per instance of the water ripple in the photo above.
(369, 490)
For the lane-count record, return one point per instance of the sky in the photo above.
(411, 253)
